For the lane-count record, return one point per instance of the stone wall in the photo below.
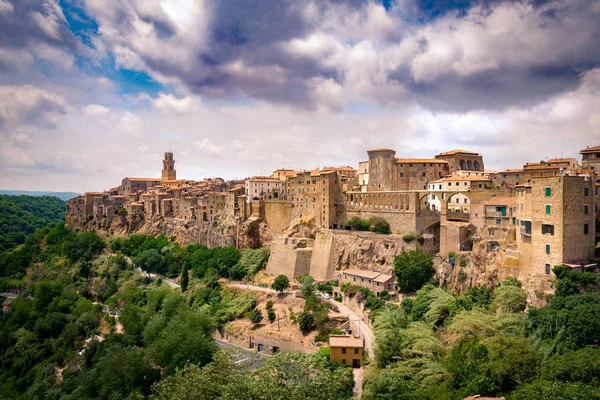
(276, 214)
(321, 264)
(290, 257)
(401, 222)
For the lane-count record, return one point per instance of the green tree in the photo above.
(305, 321)
(271, 316)
(379, 225)
(392, 384)
(413, 269)
(281, 283)
(237, 272)
(184, 279)
(150, 261)
(255, 316)
(511, 298)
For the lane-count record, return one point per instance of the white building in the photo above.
(455, 183)
(257, 186)
(363, 175)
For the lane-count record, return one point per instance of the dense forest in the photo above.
(20, 216)
(89, 324)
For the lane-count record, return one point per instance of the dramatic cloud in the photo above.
(92, 91)
(321, 54)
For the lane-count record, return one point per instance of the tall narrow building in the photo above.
(168, 171)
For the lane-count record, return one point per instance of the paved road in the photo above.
(255, 288)
(242, 355)
(154, 276)
(358, 325)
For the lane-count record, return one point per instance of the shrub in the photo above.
(379, 225)
(358, 224)
(271, 316)
(269, 305)
(384, 295)
(255, 316)
(281, 283)
(305, 321)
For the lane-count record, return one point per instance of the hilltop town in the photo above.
(519, 222)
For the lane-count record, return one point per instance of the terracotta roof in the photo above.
(590, 149)
(457, 151)
(96, 193)
(362, 273)
(462, 178)
(383, 278)
(144, 179)
(553, 160)
(345, 341)
(380, 149)
(511, 171)
(421, 161)
(536, 166)
(502, 201)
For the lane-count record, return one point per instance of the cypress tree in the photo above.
(184, 279)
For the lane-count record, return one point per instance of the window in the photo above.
(514, 221)
(343, 351)
(586, 229)
(344, 360)
(547, 229)
(424, 175)
(548, 192)
(527, 226)
(498, 221)
(548, 209)
(356, 351)
(547, 269)
(401, 174)
(547, 248)
(585, 209)
(586, 191)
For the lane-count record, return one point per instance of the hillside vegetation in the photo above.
(439, 346)
(20, 216)
(89, 325)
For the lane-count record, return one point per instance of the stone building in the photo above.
(363, 175)
(386, 172)
(556, 224)
(591, 158)
(131, 185)
(501, 212)
(168, 172)
(462, 160)
(259, 186)
(215, 204)
(508, 178)
(346, 350)
(320, 194)
(376, 282)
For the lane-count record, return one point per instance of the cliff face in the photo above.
(222, 231)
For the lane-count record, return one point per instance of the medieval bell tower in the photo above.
(168, 171)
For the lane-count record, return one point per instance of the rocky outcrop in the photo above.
(222, 231)
(478, 268)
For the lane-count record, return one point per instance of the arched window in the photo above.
(476, 165)
(463, 164)
(469, 165)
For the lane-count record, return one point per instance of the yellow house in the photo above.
(346, 350)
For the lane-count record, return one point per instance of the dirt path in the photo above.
(255, 288)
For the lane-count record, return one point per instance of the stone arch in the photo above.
(427, 204)
(463, 164)
(470, 165)
(457, 209)
(476, 165)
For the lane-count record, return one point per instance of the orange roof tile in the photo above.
(420, 161)
(590, 149)
(457, 151)
(345, 341)
(380, 149)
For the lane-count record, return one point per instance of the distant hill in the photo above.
(21, 215)
(61, 195)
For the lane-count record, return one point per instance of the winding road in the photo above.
(357, 323)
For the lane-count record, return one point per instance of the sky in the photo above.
(92, 91)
